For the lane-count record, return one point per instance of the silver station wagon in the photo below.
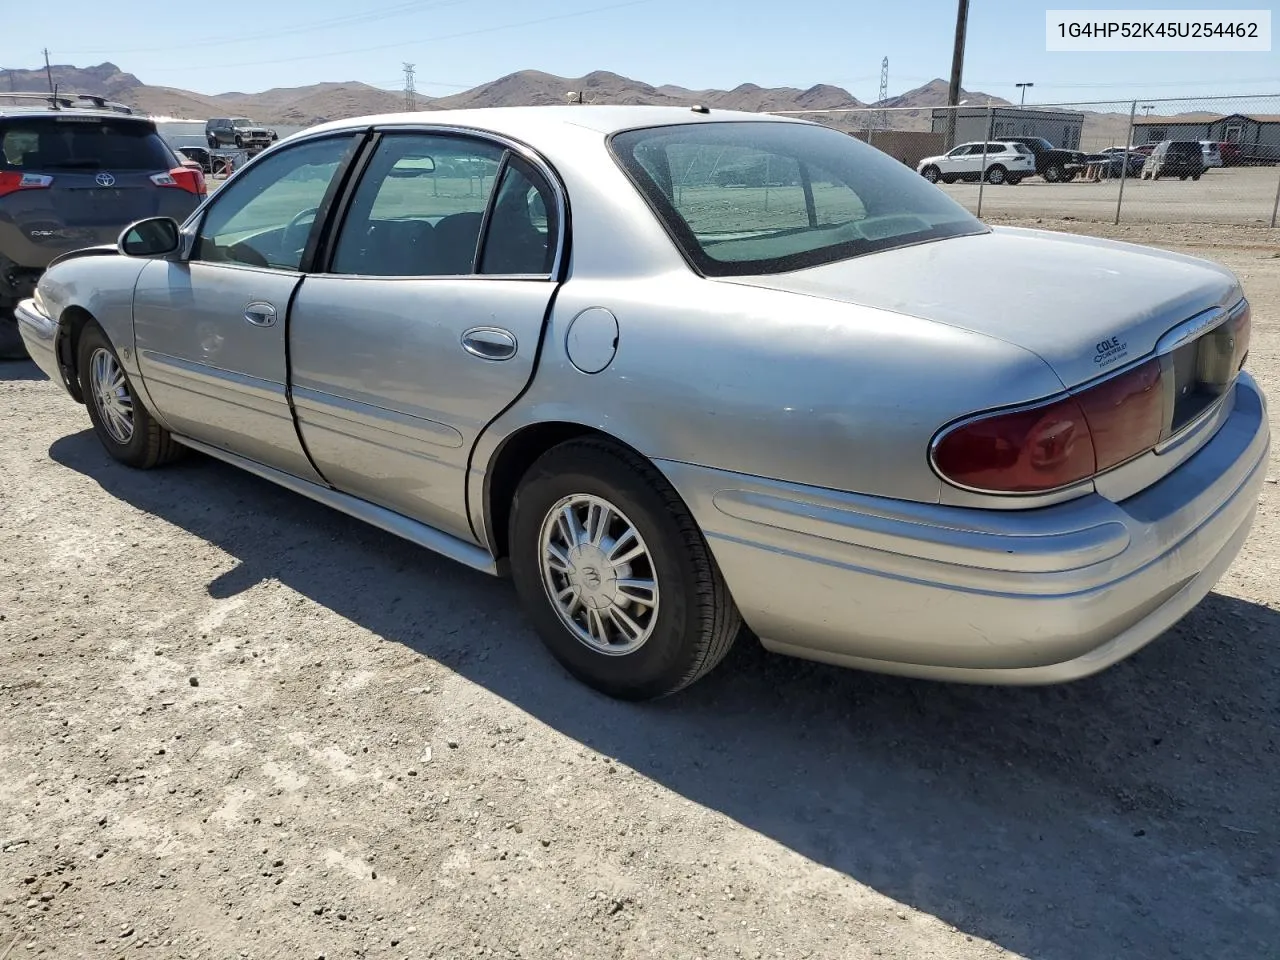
(681, 370)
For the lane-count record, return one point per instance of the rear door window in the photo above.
(32, 144)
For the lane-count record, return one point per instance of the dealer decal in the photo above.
(1109, 352)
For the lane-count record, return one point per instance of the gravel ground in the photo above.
(237, 725)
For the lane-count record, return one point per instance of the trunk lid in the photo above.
(1085, 306)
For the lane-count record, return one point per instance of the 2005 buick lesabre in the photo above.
(681, 370)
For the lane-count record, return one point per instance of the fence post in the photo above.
(1275, 206)
(1124, 167)
(982, 170)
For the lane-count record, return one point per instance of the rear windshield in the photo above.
(80, 143)
(766, 197)
(1182, 149)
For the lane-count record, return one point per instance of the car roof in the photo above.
(544, 120)
(7, 111)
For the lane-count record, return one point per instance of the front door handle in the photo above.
(489, 343)
(260, 314)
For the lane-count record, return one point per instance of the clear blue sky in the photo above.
(250, 45)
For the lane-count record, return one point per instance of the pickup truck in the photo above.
(1055, 165)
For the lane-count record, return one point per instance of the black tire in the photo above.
(995, 174)
(213, 143)
(1052, 173)
(1195, 176)
(696, 620)
(149, 444)
(931, 173)
(239, 142)
(1013, 179)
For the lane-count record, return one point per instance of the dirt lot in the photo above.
(236, 725)
(1237, 195)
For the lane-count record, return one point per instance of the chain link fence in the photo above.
(1212, 160)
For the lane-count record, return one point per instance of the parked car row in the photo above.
(1008, 160)
(1013, 159)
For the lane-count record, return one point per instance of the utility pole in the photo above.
(1024, 86)
(957, 68)
(410, 94)
(48, 71)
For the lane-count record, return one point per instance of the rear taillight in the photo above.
(11, 181)
(184, 178)
(1061, 443)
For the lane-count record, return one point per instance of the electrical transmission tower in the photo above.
(882, 120)
(410, 94)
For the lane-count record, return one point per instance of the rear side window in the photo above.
(754, 197)
(80, 143)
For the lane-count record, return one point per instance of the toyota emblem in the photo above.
(105, 180)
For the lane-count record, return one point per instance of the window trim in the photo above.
(193, 225)
(509, 145)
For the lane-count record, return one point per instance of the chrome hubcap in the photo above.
(598, 574)
(111, 395)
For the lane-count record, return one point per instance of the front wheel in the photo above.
(239, 142)
(615, 574)
(931, 173)
(124, 427)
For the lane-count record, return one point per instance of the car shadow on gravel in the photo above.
(1131, 814)
(16, 370)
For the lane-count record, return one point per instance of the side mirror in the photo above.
(155, 237)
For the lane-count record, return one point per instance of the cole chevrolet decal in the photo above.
(1110, 351)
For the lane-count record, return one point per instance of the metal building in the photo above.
(1062, 128)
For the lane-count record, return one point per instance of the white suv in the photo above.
(1005, 163)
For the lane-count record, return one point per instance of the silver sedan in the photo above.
(678, 371)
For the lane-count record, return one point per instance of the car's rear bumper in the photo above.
(985, 596)
(39, 335)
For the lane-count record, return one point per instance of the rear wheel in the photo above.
(123, 425)
(1052, 173)
(615, 574)
(996, 175)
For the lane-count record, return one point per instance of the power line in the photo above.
(368, 16)
(435, 39)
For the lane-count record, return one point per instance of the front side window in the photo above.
(754, 197)
(264, 217)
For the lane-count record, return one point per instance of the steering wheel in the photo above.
(286, 238)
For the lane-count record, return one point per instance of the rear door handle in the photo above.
(489, 343)
(260, 314)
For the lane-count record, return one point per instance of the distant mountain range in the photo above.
(303, 106)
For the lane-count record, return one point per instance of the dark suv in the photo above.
(1054, 164)
(239, 132)
(72, 178)
(1175, 158)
